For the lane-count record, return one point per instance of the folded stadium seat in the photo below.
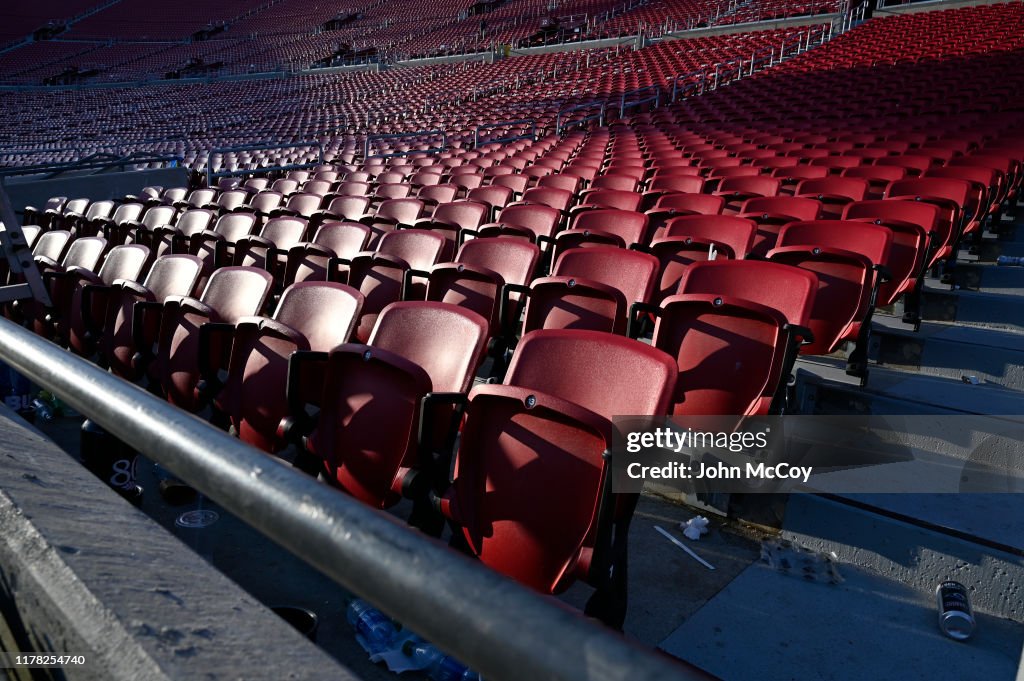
(466, 181)
(589, 288)
(849, 258)
(835, 165)
(285, 186)
(771, 213)
(300, 204)
(774, 162)
(351, 187)
(539, 170)
(737, 190)
(113, 228)
(833, 193)
(913, 224)
(715, 177)
(392, 214)
(229, 201)
(1004, 165)
(675, 205)
(792, 176)
(383, 192)
(735, 329)
(690, 238)
(48, 248)
(477, 277)
(316, 186)
(253, 356)
(434, 195)
(984, 188)
(215, 247)
(311, 261)
(517, 183)
(528, 221)
(380, 276)
(141, 231)
(343, 208)
(569, 183)
(495, 197)
(256, 184)
(80, 315)
(587, 173)
(951, 196)
(43, 217)
(170, 238)
(263, 204)
(171, 275)
(607, 198)
(510, 428)
(915, 165)
(149, 196)
(78, 222)
(624, 183)
(386, 407)
(390, 177)
(424, 178)
(607, 226)
(868, 155)
(615, 172)
(878, 177)
(86, 254)
(173, 364)
(267, 249)
(450, 219)
(663, 185)
(198, 198)
(68, 215)
(559, 199)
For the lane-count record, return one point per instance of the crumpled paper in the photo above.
(694, 527)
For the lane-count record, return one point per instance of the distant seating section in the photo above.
(735, 230)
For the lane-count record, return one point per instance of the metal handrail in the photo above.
(420, 133)
(491, 623)
(602, 107)
(210, 174)
(97, 161)
(502, 124)
(656, 98)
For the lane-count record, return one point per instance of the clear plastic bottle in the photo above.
(43, 410)
(1009, 260)
(437, 665)
(374, 627)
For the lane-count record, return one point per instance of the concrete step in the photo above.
(919, 540)
(824, 388)
(948, 350)
(990, 278)
(774, 627)
(999, 310)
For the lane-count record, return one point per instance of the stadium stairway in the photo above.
(892, 550)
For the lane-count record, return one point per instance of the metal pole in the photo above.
(491, 623)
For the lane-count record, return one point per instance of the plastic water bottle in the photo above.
(1009, 260)
(371, 625)
(439, 667)
(43, 410)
